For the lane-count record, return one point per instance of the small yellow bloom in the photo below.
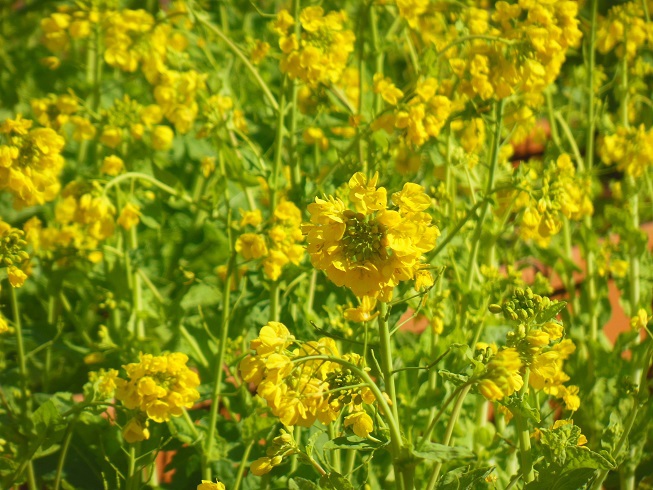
(361, 423)
(640, 320)
(129, 216)
(208, 166)
(252, 218)
(261, 466)
(112, 165)
(16, 276)
(209, 485)
(251, 246)
(135, 431)
(111, 136)
(162, 137)
(4, 326)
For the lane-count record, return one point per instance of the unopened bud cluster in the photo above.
(524, 305)
(12, 245)
(283, 445)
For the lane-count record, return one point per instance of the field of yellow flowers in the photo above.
(326, 244)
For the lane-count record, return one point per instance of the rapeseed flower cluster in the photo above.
(320, 53)
(301, 392)
(551, 193)
(54, 111)
(421, 118)
(629, 148)
(30, 162)
(624, 30)
(535, 345)
(371, 248)
(537, 36)
(159, 387)
(280, 245)
(84, 217)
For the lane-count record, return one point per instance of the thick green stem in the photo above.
(133, 476)
(278, 148)
(494, 161)
(218, 368)
(525, 452)
(589, 164)
(386, 357)
(448, 433)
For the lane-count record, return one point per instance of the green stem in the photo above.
(448, 433)
(295, 167)
(386, 357)
(241, 467)
(64, 451)
(243, 57)
(133, 476)
(638, 400)
(429, 430)
(525, 452)
(494, 161)
(378, 56)
(137, 290)
(589, 165)
(26, 403)
(149, 178)
(218, 367)
(278, 148)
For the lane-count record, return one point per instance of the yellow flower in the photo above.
(162, 137)
(209, 485)
(251, 246)
(640, 320)
(4, 326)
(112, 165)
(384, 86)
(361, 423)
(502, 377)
(261, 466)
(111, 136)
(362, 313)
(370, 251)
(159, 386)
(208, 166)
(252, 218)
(129, 216)
(16, 276)
(259, 52)
(135, 431)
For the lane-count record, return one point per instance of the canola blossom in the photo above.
(395, 244)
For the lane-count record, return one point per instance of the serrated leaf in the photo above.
(334, 481)
(571, 480)
(521, 406)
(353, 442)
(461, 479)
(581, 457)
(441, 453)
(298, 483)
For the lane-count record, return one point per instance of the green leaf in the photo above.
(200, 295)
(582, 457)
(551, 311)
(48, 426)
(518, 405)
(571, 480)
(441, 453)
(255, 427)
(353, 442)
(300, 484)
(456, 379)
(460, 479)
(334, 481)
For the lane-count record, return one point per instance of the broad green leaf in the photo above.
(200, 295)
(462, 479)
(301, 484)
(441, 453)
(582, 457)
(334, 481)
(571, 480)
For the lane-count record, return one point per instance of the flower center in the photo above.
(363, 237)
